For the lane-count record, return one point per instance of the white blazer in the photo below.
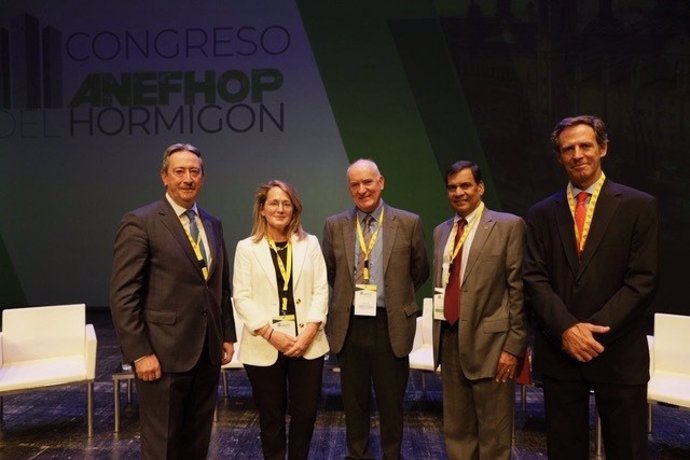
(255, 295)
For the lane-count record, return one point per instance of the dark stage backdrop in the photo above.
(91, 94)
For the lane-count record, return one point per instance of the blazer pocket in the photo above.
(490, 258)
(410, 309)
(494, 326)
(160, 317)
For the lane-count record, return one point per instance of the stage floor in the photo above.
(52, 423)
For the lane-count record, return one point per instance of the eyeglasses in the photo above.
(275, 204)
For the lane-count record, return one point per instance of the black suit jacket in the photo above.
(612, 285)
(159, 300)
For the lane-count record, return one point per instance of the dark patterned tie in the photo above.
(194, 232)
(451, 298)
(366, 232)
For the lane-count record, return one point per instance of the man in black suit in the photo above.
(170, 303)
(590, 275)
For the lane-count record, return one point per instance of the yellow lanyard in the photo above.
(580, 239)
(285, 272)
(366, 249)
(454, 249)
(196, 246)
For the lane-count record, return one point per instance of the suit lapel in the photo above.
(170, 221)
(484, 227)
(566, 230)
(440, 248)
(262, 252)
(214, 246)
(299, 255)
(347, 227)
(603, 213)
(390, 227)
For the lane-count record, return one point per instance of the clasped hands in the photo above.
(579, 342)
(288, 344)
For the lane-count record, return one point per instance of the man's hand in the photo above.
(148, 368)
(507, 364)
(579, 342)
(228, 352)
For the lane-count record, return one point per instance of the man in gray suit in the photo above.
(479, 321)
(376, 260)
(170, 304)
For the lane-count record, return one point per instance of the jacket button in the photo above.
(298, 301)
(301, 325)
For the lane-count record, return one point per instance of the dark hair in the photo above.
(594, 122)
(179, 147)
(464, 164)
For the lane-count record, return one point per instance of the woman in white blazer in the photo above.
(281, 295)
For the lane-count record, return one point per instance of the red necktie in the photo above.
(451, 298)
(580, 213)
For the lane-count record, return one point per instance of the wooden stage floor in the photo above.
(51, 424)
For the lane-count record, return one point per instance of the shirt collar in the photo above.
(179, 210)
(469, 217)
(589, 190)
(374, 214)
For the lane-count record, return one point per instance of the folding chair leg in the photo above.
(649, 418)
(89, 408)
(598, 443)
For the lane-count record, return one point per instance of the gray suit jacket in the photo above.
(406, 268)
(159, 300)
(492, 318)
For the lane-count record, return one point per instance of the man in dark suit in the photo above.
(590, 274)
(479, 321)
(170, 303)
(376, 260)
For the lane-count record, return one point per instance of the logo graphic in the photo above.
(150, 98)
(31, 65)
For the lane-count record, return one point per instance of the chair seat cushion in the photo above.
(670, 388)
(235, 363)
(42, 373)
(422, 358)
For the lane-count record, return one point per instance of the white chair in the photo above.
(43, 347)
(235, 364)
(422, 354)
(669, 362)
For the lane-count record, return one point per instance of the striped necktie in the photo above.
(196, 239)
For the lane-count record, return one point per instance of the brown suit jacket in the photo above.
(159, 300)
(406, 268)
(492, 317)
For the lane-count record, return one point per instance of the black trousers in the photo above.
(176, 412)
(292, 385)
(367, 357)
(623, 412)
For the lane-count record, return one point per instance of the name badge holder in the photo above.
(285, 324)
(365, 300)
(439, 294)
